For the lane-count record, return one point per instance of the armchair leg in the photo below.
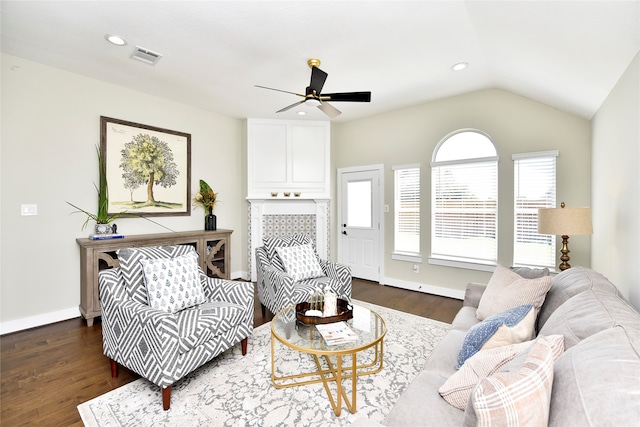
(166, 398)
(114, 368)
(264, 313)
(244, 346)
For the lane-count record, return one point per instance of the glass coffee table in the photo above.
(333, 363)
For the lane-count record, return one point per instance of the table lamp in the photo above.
(563, 222)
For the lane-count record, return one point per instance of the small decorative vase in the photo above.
(210, 221)
(105, 229)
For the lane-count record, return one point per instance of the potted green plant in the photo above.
(102, 218)
(207, 198)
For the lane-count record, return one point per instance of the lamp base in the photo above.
(564, 265)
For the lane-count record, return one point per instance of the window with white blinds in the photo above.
(407, 209)
(465, 199)
(535, 188)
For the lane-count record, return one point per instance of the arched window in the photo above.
(464, 199)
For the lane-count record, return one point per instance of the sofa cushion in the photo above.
(509, 327)
(457, 389)
(507, 289)
(300, 262)
(200, 324)
(570, 283)
(588, 313)
(597, 382)
(420, 404)
(173, 284)
(517, 398)
(131, 268)
(271, 243)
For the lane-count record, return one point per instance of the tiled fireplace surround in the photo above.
(283, 217)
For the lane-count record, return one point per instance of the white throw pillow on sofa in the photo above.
(508, 289)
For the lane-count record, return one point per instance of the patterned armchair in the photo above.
(280, 285)
(162, 317)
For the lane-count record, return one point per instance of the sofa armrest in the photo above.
(473, 293)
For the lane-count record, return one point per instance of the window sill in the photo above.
(400, 256)
(449, 262)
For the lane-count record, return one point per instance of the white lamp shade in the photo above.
(565, 221)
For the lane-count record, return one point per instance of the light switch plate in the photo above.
(28, 210)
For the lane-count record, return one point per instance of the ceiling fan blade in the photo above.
(329, 110)
(348, 96)
(291, 106)
(318, 77)
(279, 90)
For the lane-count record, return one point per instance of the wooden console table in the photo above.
(213, 248)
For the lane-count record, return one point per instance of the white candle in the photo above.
(330, 304)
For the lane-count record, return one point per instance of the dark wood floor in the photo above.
(48, 371)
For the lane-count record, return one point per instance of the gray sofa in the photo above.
(596, 380)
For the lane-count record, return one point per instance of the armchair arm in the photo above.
(339, 272)
(334, 270)
(240, 293)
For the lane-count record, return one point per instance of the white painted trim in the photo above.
(425, 288)
(38, 320)
(461, 264)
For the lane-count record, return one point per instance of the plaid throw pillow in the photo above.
(512, 399)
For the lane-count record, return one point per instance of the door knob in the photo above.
(344, 232)
(344, 225)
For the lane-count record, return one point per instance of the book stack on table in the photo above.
(105, 236)
(336, 333)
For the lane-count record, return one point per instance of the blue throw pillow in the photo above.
(509, 327)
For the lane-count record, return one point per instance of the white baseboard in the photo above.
(423, 287)
(38, 320)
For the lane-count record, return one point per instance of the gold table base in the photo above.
(335, 373)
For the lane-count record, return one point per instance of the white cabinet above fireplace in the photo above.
(288, 157)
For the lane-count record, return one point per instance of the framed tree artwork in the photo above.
(148, 169)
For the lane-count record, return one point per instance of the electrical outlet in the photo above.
(416, 268)
(28, 210)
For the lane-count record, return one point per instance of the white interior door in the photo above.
(359, 221)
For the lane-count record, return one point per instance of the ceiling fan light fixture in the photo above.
(302, 113)
(459, 66)
(312, 102)
(116, 40)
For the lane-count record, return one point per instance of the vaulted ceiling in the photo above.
(567, 54)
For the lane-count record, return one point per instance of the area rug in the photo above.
(233, 390)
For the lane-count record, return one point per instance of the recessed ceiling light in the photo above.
(117, 40)
(459, 66)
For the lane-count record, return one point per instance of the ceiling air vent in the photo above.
(145, 55)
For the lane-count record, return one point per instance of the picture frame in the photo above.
(148, 169)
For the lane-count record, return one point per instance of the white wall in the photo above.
(616, 185)
(50, 127)
(515, 124)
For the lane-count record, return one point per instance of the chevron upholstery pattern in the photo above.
(278, 290)
(160, 346)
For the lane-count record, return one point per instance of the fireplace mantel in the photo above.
(277, 217)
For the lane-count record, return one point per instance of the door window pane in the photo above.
(359, 204)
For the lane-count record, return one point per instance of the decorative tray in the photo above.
(345, 312)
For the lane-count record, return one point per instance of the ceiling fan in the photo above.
(314, 96)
